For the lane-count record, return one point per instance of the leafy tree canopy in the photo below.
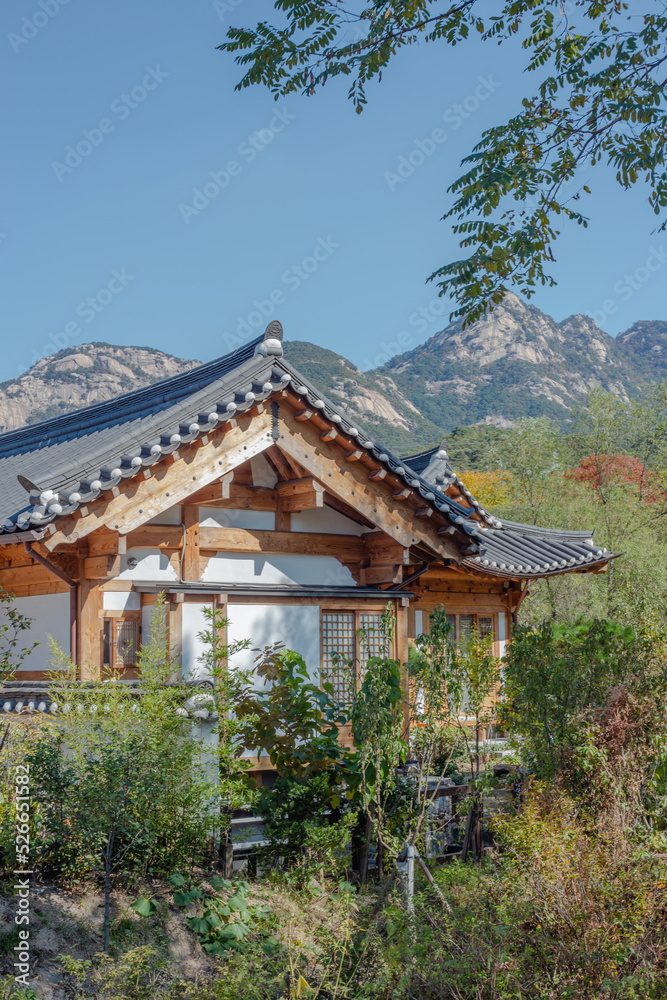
(599, 99)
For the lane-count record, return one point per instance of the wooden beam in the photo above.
(282, 467)
(242, 498)
(424, 512)
(141, 500)
(191, 570)
(106, 543)
(353, 456)
(378, 474)
(156, 536)
(374, 575)
(349, 481)
(382, 550)
(218, 490)
(304, 415)
(329, 434)
(300, 494)
(401, 494)
(347, 548)
(101, 567)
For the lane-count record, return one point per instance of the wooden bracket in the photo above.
(300, 494)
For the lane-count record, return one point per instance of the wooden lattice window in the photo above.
(462, 626)
(461, 634)
(349, 640)
(120, 643)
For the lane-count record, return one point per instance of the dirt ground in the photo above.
(69, 921)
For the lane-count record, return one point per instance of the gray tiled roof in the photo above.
(77, 457)
(510, 549)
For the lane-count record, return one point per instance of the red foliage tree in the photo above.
(602, 471)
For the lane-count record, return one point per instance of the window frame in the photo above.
(475, 615)
(357, 665)
(114, 621)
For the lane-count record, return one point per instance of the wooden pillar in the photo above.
(90, 630)
(191, 569)
(402, 653)
(175, 623)
(283, 517)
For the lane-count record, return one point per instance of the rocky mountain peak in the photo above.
(80, 376)
(516, 362)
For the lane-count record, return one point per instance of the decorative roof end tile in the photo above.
(272, 345)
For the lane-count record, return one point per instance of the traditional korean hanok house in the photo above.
(239, 485)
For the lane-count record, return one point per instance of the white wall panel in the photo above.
(50, 614)
(231, 517)
(270, 570)
(263, 474)
(325, 521)
(194, 621)
(502, 633)
(152, 566)
(116, 600)
(419, 622)
(296, 626)
(172, 515)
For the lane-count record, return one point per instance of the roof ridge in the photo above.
(56, 428)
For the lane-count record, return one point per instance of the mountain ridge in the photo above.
(516, 362)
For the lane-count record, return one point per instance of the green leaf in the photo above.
(220, 883)
(144, 907)
(234, 903)
(185, 898)
(176, 879)
(198, 924)
(236, 931)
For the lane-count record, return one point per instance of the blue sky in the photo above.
(147, 203)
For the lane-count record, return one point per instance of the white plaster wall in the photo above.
(263, 474)
(147, 612)
(296, 626)
(172, 515)
(237, 567)
(114, 600)
(419, 622)
(325, 521)
(502, 633)
(231, 517)
(194, 621)
(152, 566)
(50, 614)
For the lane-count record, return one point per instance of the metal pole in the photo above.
(410, 880)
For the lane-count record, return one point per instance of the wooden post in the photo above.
(90, 629)
(191, 542)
